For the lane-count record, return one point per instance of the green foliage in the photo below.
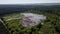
(50, 26)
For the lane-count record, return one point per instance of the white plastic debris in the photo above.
(31, 19)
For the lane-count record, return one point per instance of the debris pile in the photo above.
(30, 19)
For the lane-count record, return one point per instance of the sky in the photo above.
(27, 1)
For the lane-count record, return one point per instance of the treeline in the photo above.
(19, 8)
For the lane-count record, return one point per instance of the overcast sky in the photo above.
(27, 1)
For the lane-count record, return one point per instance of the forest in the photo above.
(50, 26)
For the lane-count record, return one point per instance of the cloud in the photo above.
(27, 1)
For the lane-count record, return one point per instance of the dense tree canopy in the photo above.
(49, 26)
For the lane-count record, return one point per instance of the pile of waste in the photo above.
(30, 19)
